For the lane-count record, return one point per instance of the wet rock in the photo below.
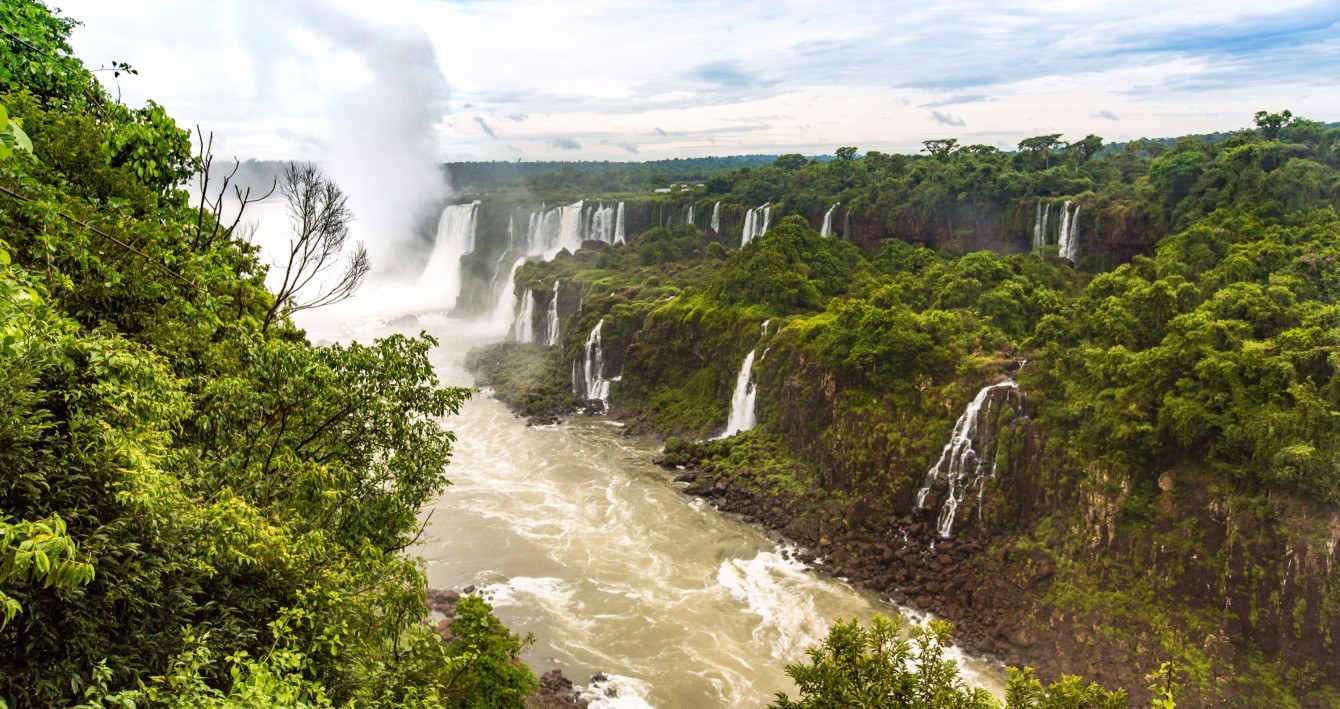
(555, 692)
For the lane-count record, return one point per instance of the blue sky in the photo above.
(504, 79)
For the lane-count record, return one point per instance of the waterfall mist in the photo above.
(379, 141)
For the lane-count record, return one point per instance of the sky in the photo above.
(435, 80)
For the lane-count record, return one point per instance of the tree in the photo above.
(1085, 149)
(320, 214)
(1272, 123)
(875, 667)
(847, 153)
(940, 148)
(792, 161)
(1039, 149)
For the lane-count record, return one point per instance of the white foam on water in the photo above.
(778, 589)
(617, 692)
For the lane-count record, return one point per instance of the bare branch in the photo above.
(320, 216)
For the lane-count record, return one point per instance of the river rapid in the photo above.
(574, 536)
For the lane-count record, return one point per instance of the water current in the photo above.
(576, 537)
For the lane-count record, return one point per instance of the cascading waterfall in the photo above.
(551, 330)
(601, 226)
(1068, 245)
(745, 396)
(455, 238)
(827, 229)
(742, 401)
(755, 223)
(1039, 233)
(716, 217)
(502, 312)
(969, 458)
(523, 330)
(566, 227)
(688, 218)
(592, 383)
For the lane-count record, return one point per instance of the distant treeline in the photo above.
(601, 176)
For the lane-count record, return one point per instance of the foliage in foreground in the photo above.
(198, 507)
(875, 667)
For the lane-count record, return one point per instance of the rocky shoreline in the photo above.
(993, 590)
(901, 558)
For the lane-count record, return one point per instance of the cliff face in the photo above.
(1110, 232)
(1063, 565)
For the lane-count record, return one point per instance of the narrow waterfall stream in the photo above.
(575, 536)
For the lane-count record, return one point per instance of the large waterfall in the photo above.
(969, 458)
(566, 227)
(716, 217)
(688, 217)
(592, 383)
(1067, 233)
(551, 330)
(455, 238)
(755, 223)
(827, 229)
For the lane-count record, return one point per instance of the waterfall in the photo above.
(455, 238)
(827, 229)
(592, 384)
(969, 458)
(755, 223)
(502, 312)
(716, 217)
(566, 227)
(551, 330)
(1069, 238)
(1039, 239)
(523, 330)
(688, 218)
(742, 400)
(603, 225)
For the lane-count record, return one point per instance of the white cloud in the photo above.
(692, 78)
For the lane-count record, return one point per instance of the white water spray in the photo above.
(716, 217)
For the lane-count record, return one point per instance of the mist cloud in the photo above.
(380, 145)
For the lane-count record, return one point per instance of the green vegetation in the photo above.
(1176, 467)
(876, 667)
(199, 508)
